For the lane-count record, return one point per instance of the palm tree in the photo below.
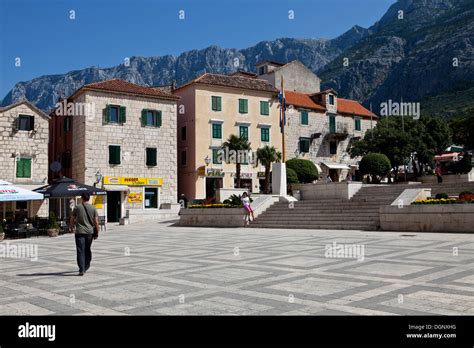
(267, 155)
(236, 144)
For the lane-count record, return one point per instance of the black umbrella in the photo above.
(66, 187)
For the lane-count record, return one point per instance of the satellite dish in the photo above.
(55, 166)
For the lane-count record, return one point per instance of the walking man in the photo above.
(439, 173)
(85, 219)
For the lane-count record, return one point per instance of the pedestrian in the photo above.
(349, 177)
(439, 173)
(85, 220)
(248, 209)
(328, 179)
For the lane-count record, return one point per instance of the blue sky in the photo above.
(104, 32)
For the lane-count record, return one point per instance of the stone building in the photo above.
(122, 137)
(320, 126)
(214, 107)
(24, 136)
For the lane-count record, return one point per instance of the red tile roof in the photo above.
(347, 106)
(233, 81)
(302, 100)
(344, 106)
(121, 86)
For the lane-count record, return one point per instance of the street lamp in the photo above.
(98, 177)
(207, 160)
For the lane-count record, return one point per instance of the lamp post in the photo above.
(98, 177)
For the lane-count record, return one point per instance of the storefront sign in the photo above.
(132, 181)
(215, 173)
(135, 197)
(243, 175)
(98, 202)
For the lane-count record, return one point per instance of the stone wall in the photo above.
(24, 143)
(343, 190)
(428, 218)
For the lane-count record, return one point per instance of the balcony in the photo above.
(338, 130)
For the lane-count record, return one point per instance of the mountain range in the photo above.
(419, 51)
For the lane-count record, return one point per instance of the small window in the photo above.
(216, 103)
(304, 117)
(217, 156)
(23, 167)
(243, 106)
(183, 133)
(265, 134)
(331, 99)
(244, 132)
(67, 124)
(264, 108)
(332, 124)
(357, 124)
(304, 144)
(151, 118)
(216, 131)
(26, 123)
(261, 70)
(151, 198)
(115, 114)
(183, 157)
(114, 154)
(333, 147)
(151, 156)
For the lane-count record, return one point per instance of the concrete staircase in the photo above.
(361, 212)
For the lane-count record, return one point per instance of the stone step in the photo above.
(316, 226)
(329, 219)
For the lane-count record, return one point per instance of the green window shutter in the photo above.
(265, 134)
(244, 132)
(264, 108)
(243, 106)
(304, 117)
(216, 103)
(158, 119)
(216, 156)
(143, 117)
(114, 154)
(217, 131)
(357, 124)
(332, 124)
(151, 156)
(23, 168)
(123, 115)
(107, 114)
(19, 168)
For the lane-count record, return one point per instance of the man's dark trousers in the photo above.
(84, 253)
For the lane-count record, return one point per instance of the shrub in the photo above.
(235, 200)
(52, 222)
(441, 196)
(377, 165)
(466, 195)
(305, 170)
(291, 176)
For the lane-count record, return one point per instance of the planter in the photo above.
(2, 236)
(53, 232)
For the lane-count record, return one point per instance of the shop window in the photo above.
(151, 198)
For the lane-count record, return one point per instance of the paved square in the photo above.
(160, 269)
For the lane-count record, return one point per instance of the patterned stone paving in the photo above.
(161, 269)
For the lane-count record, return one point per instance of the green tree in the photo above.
(268, 155)
(463, 131)
(291, 176)
(377, 165)
(305, 169)
(237, 145)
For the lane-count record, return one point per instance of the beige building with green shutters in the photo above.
(24, 135)
(213, 107)
(125, 142)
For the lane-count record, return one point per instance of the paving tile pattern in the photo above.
(160, 269)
